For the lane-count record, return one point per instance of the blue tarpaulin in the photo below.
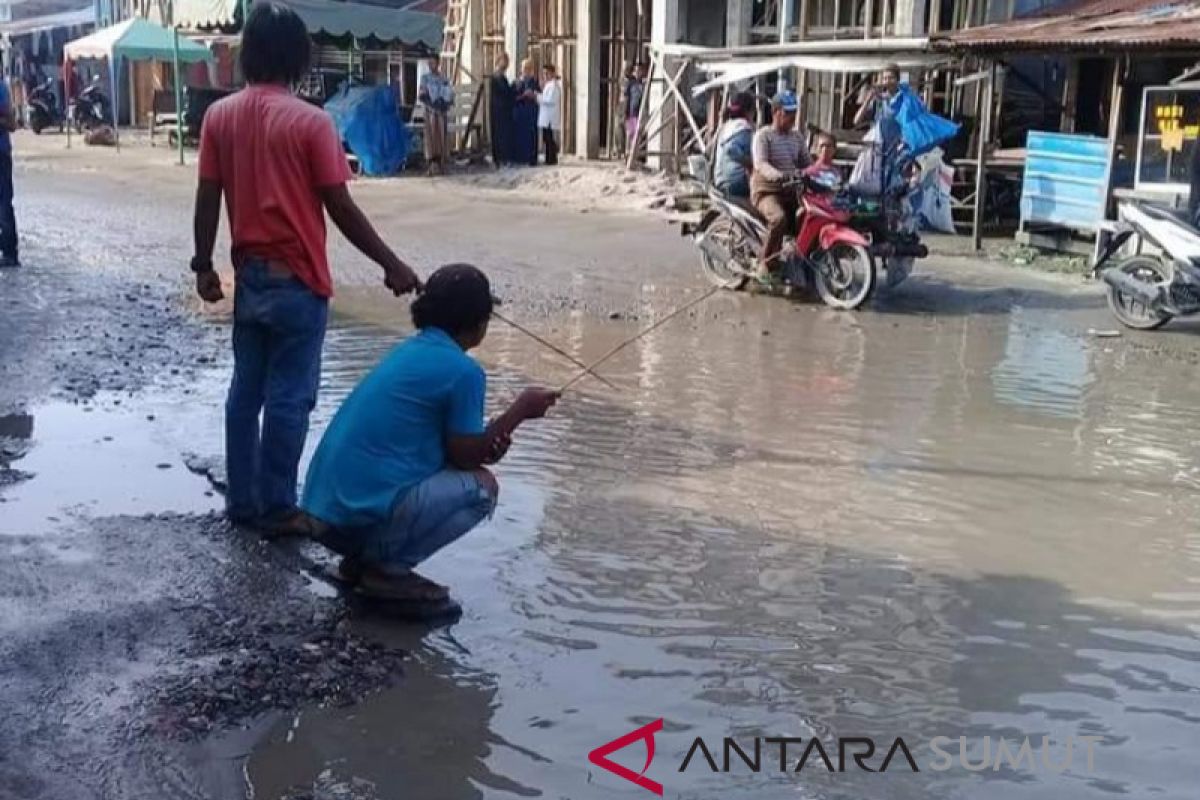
(920, 129)
(368, 120)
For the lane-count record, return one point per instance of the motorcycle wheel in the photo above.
(846, 277)
(1132, 313)
(37, 122)
(724, 231)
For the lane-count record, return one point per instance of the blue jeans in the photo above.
(278, 330)
(8, 218)
(424, 519)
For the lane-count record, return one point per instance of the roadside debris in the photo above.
(328, 787)
(271, 666)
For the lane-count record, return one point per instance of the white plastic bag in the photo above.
(934, 209)
(865, 178)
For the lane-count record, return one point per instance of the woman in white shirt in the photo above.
(550, 112)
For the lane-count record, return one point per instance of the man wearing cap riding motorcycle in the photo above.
(779, 154)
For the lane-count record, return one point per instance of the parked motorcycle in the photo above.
(90, 109)
(43, 108)
(827, 254)
(1146, 290)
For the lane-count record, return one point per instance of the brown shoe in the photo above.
(293, 524)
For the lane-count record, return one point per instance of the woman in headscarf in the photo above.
(525, 114)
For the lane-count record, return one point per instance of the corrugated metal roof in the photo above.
(1090, 25)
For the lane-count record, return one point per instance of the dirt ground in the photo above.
(968, 508)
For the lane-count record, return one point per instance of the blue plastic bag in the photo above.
(920, 129)
(368, 121)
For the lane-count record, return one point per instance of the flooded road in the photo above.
(884, 524)
(957, 514)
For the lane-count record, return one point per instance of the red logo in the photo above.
(600, 756)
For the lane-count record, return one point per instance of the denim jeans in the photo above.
(424, 519)
(8, 218)
(278, 330)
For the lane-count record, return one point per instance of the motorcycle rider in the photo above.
(734, 142)
(779, 154)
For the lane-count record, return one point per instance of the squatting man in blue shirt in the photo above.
(401, 472)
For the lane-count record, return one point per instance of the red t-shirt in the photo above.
(271, 152)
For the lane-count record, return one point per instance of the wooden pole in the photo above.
(1114, 124)
(985, 132)
(178, 95)
(1070, 96)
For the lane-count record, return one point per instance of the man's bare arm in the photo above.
(473, 452)
(355, 226)
(204, 230)
(207, 218)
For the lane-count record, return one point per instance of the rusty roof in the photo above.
(1094, 25)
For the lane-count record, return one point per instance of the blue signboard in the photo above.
(1066, 180)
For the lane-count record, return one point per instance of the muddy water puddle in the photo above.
(793, 523)
(785, 523)
(107, 457)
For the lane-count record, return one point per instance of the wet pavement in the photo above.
(960, 513)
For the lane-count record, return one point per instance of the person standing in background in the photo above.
(501, 108)
(631, 104)
(550, 113)
(436, 96)
(279, 165)
(8, 217)
(525, 116)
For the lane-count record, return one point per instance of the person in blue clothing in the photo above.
(8, 217)
(525, 116)
(401, 472)
(877, 107)
(735, 161)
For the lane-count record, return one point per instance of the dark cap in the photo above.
(456, 297)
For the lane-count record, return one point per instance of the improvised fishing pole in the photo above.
(590, 367)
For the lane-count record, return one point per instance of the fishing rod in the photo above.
(555, 348)
(588, 369)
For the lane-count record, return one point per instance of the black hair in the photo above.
(741, 106)
(549, 68)
(275, 45)
(457, 298)
(892, 68)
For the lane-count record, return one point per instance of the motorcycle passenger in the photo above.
(779, 153)
(735, 140)
(824, 166)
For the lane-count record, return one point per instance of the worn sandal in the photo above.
(405, 587)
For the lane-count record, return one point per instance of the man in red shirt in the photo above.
(279, 164)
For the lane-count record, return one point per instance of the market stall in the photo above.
(134, 39)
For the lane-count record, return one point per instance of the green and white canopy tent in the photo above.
(135, 39)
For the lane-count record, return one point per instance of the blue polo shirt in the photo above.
(390, 433)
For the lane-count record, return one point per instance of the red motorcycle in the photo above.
(826, 255)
